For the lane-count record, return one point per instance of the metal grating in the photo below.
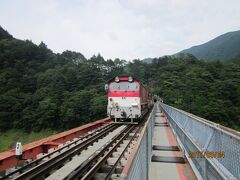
(199, 135)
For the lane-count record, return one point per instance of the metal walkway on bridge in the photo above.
(167, 158)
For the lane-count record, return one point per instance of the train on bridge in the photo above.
(106, 150)
(128, 99)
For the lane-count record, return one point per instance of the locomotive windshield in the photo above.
(124, 86)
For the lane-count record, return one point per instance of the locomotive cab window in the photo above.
(124, 86)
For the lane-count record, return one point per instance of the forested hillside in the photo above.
(208, 89)
(223, 47)
(43, 90)
(40, 89)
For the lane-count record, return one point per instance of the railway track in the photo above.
(97, 155)
(92, 168)
(59, 156)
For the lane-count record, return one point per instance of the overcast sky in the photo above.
(125, 29)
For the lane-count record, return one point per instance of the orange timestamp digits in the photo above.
(206, 154)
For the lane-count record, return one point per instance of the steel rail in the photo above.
(83, 168)
(121, 155)
(47, 166)
(37, 161)
(96, 167)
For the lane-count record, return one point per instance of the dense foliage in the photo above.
(235, 60)
(221, 48)
(41, 89)
(208, 89)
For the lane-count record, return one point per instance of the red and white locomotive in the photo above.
(128, 99)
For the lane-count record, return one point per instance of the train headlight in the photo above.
(134, 104)
(117, 79)
(130, 79)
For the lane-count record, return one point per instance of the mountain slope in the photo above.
(4, 34)
(147, 60)
(222, 47)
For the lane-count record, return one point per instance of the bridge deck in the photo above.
(163, 139)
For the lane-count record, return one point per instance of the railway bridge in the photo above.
(169, 144)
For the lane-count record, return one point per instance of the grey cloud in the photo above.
(120, 28)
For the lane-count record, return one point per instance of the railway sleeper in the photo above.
(106, 168)
(112, 160)
(117, 154)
